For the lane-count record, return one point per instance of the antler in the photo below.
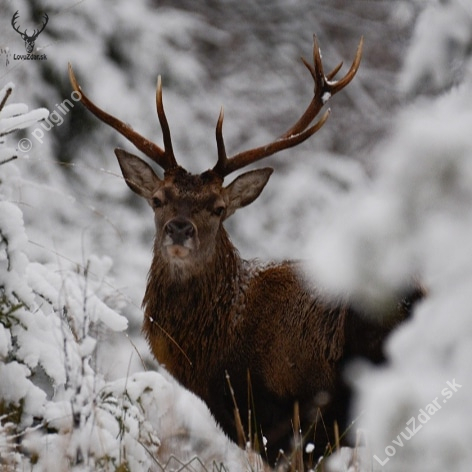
(163, 157)
(13, 21)
(299, 132)
(35, 35)
(24, 35)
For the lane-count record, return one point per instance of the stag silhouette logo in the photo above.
(28, 39)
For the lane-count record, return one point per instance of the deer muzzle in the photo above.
(180, 237)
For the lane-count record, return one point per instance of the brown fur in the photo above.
(241, 317)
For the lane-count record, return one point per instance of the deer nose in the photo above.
(179, 230)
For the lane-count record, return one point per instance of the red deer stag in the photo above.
(210, 315)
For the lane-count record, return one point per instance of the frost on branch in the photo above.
(13, 118)
(50, 321)
(50, 394)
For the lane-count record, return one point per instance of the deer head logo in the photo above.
(28, 39)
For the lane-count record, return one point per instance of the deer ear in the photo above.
(246, 188)
(139, 176)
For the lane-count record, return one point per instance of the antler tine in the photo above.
(222, 162)
(152, 150)
(341, 83)
(13, 22)
(172, 162)
(46, 18)
(325, 88)
(225, 166)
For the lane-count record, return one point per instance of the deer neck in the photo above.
(177, 301)
(186, 319)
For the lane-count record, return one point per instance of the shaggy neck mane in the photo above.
(174, 301)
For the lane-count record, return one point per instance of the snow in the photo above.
(25, 120)
(5, 342)
(381, 195)
(15, 389)
(437, 48)
(16, 116)
(309, 448)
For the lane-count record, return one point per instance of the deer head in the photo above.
(29, 40)
(190, 209)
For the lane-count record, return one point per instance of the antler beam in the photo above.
(13, 22)
(163, 157)
(325, 88)
(45, 22)
(23, 34)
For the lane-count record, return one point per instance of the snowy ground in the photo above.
(385, 189)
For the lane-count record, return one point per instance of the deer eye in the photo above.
(157, 202)
(219, 210)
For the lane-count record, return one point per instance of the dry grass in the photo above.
(299, 460)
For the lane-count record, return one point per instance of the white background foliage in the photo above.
(382, 194)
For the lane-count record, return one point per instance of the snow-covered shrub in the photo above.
(14, 117)
(415, 220)
(189, 438)
(50, 320)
